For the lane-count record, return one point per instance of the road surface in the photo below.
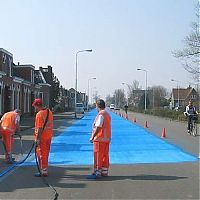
(143, 166)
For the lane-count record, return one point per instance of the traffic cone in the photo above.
(146, 125)
(135, 120)
(163, 133)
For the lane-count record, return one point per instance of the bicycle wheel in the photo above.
(194, 130)
(191, 128)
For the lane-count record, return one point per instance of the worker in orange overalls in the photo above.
(9, 125)
(42, 135)
(100, 138)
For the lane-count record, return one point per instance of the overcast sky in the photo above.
(123, 34)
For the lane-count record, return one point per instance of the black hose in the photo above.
(16, 163)
(22, 161)
(43, 178)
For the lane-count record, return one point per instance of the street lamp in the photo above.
(89, 90)
(177, 90)
(127, 91)
(145, 100)
(76, 63)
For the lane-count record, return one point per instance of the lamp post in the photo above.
(127, 91)
(177, 91)
(145, 100)
(76, 64)
(89, 90)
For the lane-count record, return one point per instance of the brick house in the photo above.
(183, 95)
(21, 84)
(17, 85)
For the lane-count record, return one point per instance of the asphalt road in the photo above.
(136, 181)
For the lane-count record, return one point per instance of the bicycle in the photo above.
(193, 125)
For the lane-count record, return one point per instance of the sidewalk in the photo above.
(61, 122)
(28, 122)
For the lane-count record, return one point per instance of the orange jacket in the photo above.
(104, 134)
(39, 123)
(8, 121)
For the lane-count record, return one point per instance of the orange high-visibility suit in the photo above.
(101, 143)
(9, 125)
(43, 148)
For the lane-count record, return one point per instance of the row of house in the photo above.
(21, 84)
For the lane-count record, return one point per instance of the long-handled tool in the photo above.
(21, 143)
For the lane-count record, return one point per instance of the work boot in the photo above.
(10, 160)
(38, 174)
(93, 176)
(43, 172)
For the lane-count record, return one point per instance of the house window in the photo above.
(193, 96)
(32, 76)
(41, 95)
(4, 58)
(10, 65)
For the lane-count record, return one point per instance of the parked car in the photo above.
(112, 106)
(80, 108)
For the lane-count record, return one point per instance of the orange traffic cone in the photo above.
(163, 133)
(146, 125)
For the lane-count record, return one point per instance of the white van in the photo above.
(79, 108)
(112, 106)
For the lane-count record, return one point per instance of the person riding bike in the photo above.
(191, 113)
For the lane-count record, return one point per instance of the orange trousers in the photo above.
(42, 152)
(101, 158)
(8, 143)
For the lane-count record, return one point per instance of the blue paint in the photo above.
(130, 144)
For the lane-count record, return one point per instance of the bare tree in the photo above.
(190, 54)
(109, 100)
(119, 97)
(96, 96)
(132, 91)
(158, 95)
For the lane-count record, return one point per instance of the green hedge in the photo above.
(166, 113)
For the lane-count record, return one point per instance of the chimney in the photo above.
(49, 68)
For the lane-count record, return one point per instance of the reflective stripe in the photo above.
(102, 139)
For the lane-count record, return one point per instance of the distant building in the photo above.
(183, 95)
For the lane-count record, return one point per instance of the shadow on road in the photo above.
(145, 177)
(24, 178)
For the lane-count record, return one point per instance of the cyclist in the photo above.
(191, 113)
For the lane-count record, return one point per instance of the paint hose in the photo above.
(17, 163)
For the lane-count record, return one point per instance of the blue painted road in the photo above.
(130, 144)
